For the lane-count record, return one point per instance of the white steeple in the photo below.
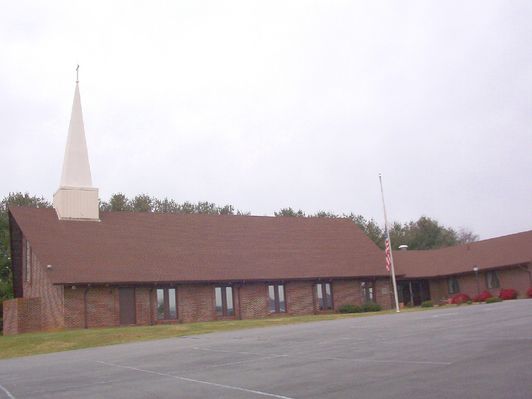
(76, 198)
(76, 167)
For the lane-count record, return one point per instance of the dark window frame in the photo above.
(166, 304)
(27, 261)
(491, 280)
(224, 308)
(322, 286)
(367, 291)
(453, 285)
(277, 301)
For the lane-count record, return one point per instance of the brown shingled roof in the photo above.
(508, 250)
(146, 247)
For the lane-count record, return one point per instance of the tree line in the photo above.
(425, 233)
(144, 203)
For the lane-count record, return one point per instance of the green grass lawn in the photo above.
(46, 342)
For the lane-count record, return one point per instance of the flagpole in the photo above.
(391, 252)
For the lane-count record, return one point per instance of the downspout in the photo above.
(239, 307)
(314, 299)
(85, 310)
(150, 301)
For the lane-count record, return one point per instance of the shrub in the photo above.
(469, 302)
(508, 293)
(493, 299)
(460, 298)
(529, 292)
(427, 304)
(350, 309)
(371, 307)
(482, 297)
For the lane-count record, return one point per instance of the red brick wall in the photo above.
(236, 302)
(300, 297)
(346, 292)
(514, 277)
(51, 295)
(383, 293)
(22, 315)
(144, 300)
(468, 284)
(74, 310)
(102, 307)
(29, 312)
(438, 289)
(253, 301)
(10, 317)
(195, 303)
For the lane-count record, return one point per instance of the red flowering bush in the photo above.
(482, 297)
(508, 293)
(459, 299)
(529, 292)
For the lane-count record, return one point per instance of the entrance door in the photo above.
(127, 306)
(413, 292)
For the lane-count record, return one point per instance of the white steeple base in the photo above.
(77, 203)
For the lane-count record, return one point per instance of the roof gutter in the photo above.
(484, 269)
(239, 280)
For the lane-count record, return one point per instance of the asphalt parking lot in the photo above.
(478, 351)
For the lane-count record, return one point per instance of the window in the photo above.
(324, 295)
(27, 263)
(367, 289)
(492, 280)
(453, 285)
(276, 301)
(223, 297)
(166, 304)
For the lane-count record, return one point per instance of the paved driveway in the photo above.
(478, 351)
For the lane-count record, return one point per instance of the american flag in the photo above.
(388, 252)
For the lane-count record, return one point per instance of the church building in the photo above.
(76, 267)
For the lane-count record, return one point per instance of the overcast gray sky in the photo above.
(271, 104)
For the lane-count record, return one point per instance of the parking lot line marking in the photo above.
(391, 361)
(402, 361)
(240, 353)
(235, 388)
(238, 362)
(9, 395)
(443, 315)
